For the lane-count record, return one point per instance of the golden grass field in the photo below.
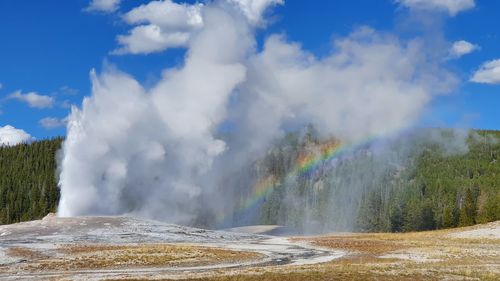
(471, 253)
(433, 255)
(84, 257)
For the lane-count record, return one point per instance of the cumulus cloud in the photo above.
(452, 7)
(157, 152)
(33, 99)
(461, 48)
(106, 6)
(52, 122)
(162, 24)
(149, 39)
(166, 14)
(10, 136)
(488, 73)
(254, 9)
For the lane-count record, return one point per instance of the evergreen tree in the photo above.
(468, 210)
(450, 218)
(397, 218)
(28, 183)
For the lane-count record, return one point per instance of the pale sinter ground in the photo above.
(117, 248)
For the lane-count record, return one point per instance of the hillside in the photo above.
(28, 186)
(429, 179)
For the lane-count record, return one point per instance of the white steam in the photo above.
(161, 152)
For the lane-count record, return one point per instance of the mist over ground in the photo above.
(175, 151)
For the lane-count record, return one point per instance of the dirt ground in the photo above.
(87, 257)
(99, 248)
(471, 253)
(117, 248)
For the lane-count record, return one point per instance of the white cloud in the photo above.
(66, 90)
(66, 104)
(167, 14)
(462, 47)
(150, 38)
(52, 122)
(33, 99)
(161, 25)
(488, 73)
(254, 9)
(1, 86)
(107, 6)
(452, 7)
(11, 136)
(164, 24)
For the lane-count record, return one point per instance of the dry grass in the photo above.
(433, 255)
(79, 257)
(320, 275)
(383, 256)
(25, 253)
(358, 244)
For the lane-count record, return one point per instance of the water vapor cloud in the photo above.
(160, 152)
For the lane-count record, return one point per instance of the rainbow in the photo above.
(306, 165)
(260, 190)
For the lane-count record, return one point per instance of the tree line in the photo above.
(28, 180)
(417, 183)
(418, 186)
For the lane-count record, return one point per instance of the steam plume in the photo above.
(161, 153)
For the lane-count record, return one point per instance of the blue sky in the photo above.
(48, 48)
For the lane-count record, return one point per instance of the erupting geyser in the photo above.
(159, 152)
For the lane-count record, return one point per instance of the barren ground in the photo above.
(97, 248)
(119, 248)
